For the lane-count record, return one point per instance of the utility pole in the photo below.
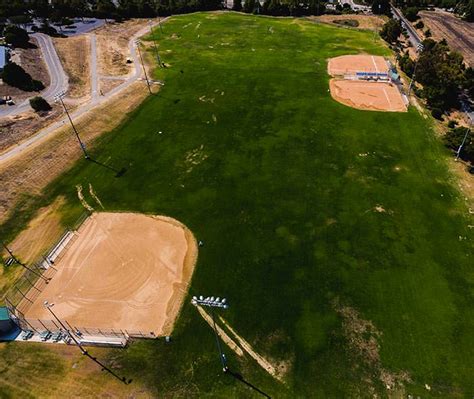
(155, 46)
(84, 351)
(46, 280)
(59, 97)
(137, 43)
(419, 50)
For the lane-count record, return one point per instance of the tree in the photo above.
(454, 138)
(14, 75)
(391, 31)
(39, 104)
(411, 13)
(16, 37)
(419, 25)
(380, 7)
(249, 6)
(237, 6)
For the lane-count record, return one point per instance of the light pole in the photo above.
(155, 46)
(84, 351)
(419, 50)
(46, 280)
(137, 43)
(458, 152)
(59, 97)
(212, 303)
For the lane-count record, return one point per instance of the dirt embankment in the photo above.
(75, 53)
(31, 60)
(458, 33)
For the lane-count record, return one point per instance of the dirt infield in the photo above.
(350, 64)
(375, 96)
(124, 271)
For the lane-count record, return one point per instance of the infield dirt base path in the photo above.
(124, 271)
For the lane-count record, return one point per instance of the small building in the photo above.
(8, 329)
(3, 57)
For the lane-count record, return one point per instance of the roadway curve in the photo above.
(81, 110)
(58, 78)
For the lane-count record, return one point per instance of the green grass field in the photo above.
(305, 207)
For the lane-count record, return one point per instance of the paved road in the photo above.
(59, 80)
(42, 134)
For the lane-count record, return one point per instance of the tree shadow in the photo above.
(239, 377)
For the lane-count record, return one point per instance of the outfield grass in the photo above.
(283, 185)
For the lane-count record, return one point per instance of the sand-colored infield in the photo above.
(350, 64)
(124, 271)
(376, 96)
(361, 94)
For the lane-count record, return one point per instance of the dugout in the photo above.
(8, 329)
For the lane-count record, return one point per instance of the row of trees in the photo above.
(281, 7)
(463, 8)
(56, 10)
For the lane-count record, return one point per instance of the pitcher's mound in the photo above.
(123, 271)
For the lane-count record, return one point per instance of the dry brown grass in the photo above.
(31, 171)
(112, 46)
(74, 53)
(365, 21)
(15, 129)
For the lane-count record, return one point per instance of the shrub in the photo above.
(427, 33)
(437, 113)
(452, 124)
(419, 25)
(39, 104)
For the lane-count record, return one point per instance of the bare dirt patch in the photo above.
(363, 342)
(350, 64)
(74, 53)
(15, 129)
(364, 21)
(458, 33)
(40, 165)
(372, 96)
(31, 60)
(124, 271)
(112, 46)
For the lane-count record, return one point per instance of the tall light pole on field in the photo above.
(59, 97)
(46, 280)
(83, 350)
(419, 50)
(137, 43)
(158, 58)
(458, 152)
(213, 303)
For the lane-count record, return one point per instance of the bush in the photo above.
(14, 75)
(411, 13)
(39, 104)
(419, 25)
(437, 113)
(427, 33)
(452, 124)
